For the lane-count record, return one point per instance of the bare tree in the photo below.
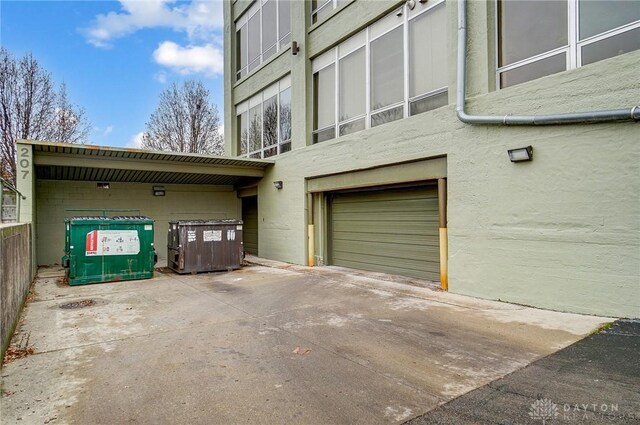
(70, 123)
(184, 121)
(30, 108)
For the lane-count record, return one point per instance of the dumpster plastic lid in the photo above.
(204, 222)
(118, 218)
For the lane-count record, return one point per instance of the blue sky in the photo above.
(116, 57)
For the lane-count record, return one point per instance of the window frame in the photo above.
(572, 50)
(314, 13)
(259, 99)
(333, 56)
(243, 21)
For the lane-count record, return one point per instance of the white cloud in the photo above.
(107, 131)
(136, 141)
(206, 59)
(200, 19)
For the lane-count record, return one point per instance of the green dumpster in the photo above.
(106, 249)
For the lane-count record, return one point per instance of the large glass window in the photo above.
(269, 29)
(428, 61)
(241, 55)
(255, 131)
(261, 31)
(324, 87)
(387, 76)
(253, 46)
(394, 68)
(284, 22)
(542, 37)
(270, 129)
(284, 136)
(599, 16)
(352, 95)
(264, 122)
(243, 131)
(320, 9)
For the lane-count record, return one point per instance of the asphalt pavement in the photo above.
(594, 381)
(268, 344)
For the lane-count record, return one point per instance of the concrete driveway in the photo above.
(265, 344)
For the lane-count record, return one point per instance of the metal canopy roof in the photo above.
(63, 161)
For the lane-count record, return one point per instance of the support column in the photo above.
(310, 231)
(444, 244)
(26, 198)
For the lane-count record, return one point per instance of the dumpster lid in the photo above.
(137, 218)
(204, 222)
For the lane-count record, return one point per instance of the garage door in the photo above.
(390, 231)
(250, 224)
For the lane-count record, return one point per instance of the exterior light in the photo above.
(294, 48)
(521, 154)
(158, 191)
(411, 4)
(103, 185)
(278, 184)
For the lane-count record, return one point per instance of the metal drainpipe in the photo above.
(612, 115)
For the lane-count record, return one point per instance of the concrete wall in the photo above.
(561, 232)
(180, 202)
(15, 277)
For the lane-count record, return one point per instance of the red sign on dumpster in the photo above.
(92, 243)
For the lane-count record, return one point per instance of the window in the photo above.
(428, 62)
(284, 21)
(264, 122)
(387, 82)
(539, 38)
(261, 32)
(284, 135)
(320, 9)
(394, 68)
(352, 96)
(324, 86)
(269, 29)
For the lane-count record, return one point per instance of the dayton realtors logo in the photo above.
(543, 409)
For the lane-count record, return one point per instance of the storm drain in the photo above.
(78, 304)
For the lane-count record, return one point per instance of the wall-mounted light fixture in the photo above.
(521, 154)
(278, 184)
(158, 191)
(294, 48)
(103, 185)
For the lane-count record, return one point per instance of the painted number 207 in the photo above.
(24, 162)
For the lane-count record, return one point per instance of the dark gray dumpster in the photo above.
(196, 246)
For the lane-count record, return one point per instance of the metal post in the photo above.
(310, 231)
(444, 244)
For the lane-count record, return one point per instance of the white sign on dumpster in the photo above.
(212, 235)
(112, 242)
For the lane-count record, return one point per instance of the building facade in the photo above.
(355, 102)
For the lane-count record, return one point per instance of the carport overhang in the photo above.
(64, 161)
(69, 164)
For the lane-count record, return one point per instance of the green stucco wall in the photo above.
(180, 202)
(561, 232)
